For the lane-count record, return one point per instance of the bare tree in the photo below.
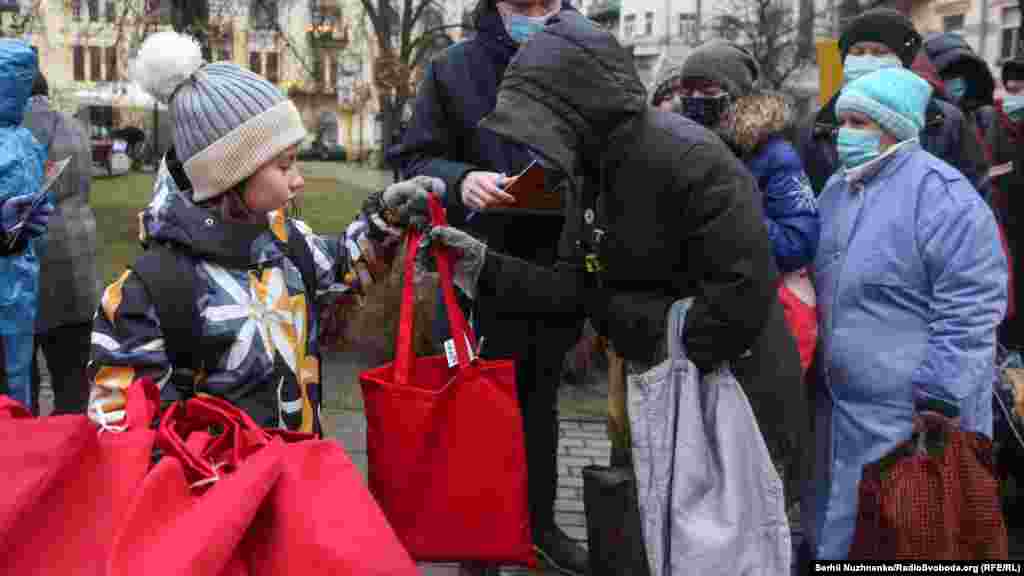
(408, 32)
(778, 37)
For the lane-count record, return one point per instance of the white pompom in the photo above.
(165, 60)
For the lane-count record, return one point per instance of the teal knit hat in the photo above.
(895, 98)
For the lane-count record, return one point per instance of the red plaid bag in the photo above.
(934, 497)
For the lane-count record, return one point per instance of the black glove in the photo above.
(635, 322)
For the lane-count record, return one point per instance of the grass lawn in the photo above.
(326, 206)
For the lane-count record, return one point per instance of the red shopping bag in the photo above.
(321, 519)
(232, 499)
(934, 497)
(798, 304)
(445, 441)
(67, 484)
(196, 504)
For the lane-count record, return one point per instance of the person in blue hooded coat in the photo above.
(882, 38)
(22, 161)
(459, 88)
(911, 286)
(968, 80)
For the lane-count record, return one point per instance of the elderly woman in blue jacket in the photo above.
(911, 285)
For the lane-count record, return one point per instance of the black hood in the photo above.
(953, 56)
(567, 89)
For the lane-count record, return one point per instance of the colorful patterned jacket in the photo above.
(255, 327)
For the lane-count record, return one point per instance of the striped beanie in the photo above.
(895, 98)
(228, 121)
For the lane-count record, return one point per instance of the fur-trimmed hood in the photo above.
(755, 118)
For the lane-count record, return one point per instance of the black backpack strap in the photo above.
(170, 280)
(302, 256)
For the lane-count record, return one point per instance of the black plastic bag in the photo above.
(614, 533)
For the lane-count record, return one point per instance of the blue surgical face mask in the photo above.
(856, 66)
(1013, 105)
(857, 147)
(956, 88)
(520, 27)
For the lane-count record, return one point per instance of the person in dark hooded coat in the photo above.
(968, 81)
(657, 209)
(459, 87)
(876, 39)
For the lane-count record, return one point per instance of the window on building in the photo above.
(111, 64)
(953, 23)
(95, 63)
(648, 23)
(272, 73)
(1010, 34)
(94, 10)
(111, 11)
(688, 28)
(254, 62)
(263, 14)
(629, 25)
(78, 53)
(76, 10)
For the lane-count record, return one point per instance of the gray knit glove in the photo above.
(408, 200)
(469, 255)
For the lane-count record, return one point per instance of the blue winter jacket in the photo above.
(790, 210)
(754, 129)
(21, 172)
(911, 285)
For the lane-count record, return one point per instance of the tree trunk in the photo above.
(191, 16)
(388, 122)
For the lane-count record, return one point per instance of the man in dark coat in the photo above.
(879, 38)
(459, 87)
(657, 209)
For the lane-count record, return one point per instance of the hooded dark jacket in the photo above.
(675, 215)
(946, 134)
(952, 57)
(459, 87)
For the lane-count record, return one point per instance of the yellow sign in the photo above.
(830, 69)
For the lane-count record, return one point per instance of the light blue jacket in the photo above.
(911, 285)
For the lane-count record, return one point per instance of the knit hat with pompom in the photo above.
(228, 121)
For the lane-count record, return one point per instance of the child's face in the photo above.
(273, 185)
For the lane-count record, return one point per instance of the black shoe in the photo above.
(559, 552)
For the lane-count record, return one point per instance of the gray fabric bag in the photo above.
(710, 498)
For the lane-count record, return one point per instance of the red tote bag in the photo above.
(197, 503)
(445, 442)
(67, 485)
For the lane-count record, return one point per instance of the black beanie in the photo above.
(1013, 70)
(884, 26)
(39, 85)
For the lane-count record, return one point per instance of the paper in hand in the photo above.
(53, 172)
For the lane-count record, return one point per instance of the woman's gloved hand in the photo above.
(405, 203)
(13, 211)
(469, 254)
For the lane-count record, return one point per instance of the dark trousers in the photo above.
(66, 349)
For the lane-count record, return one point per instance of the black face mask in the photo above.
(706, 111)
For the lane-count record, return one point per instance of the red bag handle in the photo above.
(461, 333)
(183, 434)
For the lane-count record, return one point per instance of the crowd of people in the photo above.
(890, 210)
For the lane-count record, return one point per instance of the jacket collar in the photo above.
(883, 166)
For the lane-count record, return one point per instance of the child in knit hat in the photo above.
(910, 281)
(220, 207)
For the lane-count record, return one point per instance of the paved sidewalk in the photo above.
(582, 442)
